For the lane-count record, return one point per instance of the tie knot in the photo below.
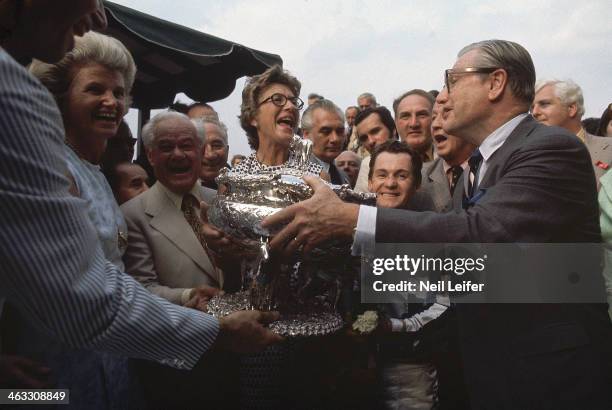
(456, 170)
(189, 202)
(475, 160)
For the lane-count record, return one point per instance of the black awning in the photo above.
(173, 59)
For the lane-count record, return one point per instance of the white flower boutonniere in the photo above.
(366, 323)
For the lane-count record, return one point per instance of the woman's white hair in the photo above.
(91, 48)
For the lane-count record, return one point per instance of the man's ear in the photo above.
(370, 184)
(306, 134)
(149, 156)
(572, 110)
(499, 81)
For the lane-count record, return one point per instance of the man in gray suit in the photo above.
(520, 355)
(561, 103)
(441, 176)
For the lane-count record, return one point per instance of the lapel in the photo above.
(439, 182)
(497, 160)
(170, 222)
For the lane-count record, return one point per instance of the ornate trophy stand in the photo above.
(306, 292)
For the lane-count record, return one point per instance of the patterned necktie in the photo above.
(189, 206)
(456, 172)
(474, 162)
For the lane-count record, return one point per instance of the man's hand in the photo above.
(21, 372)
(320, 218)
(243, 331)
(199, 297)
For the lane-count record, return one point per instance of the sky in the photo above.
(341, 48)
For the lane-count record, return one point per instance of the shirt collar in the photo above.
(177, 199)
(581, 134)
(497, 138)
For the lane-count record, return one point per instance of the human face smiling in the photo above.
(176, 155)
(392, 180)
(214, 156)
(95, 103)
(413, 122)
(275, 125)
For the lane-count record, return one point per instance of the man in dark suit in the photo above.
(520, 355)
(323, 124)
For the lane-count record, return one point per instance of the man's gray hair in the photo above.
(326, 105)
(211, 119)
(513, 58)
(369, 96)
(149, 131)
(427, 95)
(567, 91)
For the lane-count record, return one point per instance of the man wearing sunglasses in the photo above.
(518, 190)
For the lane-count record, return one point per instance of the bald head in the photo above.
(349, 162)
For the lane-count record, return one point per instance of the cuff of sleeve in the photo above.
(397, 325)
(185, 296)
(365, 233)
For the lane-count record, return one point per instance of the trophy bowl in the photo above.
(305, 291)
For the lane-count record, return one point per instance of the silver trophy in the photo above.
(306, 290)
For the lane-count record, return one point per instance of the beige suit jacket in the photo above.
(163, 252)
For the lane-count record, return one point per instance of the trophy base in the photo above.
(289, 325)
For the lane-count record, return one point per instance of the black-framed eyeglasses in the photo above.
(280, 100)
(449, 75)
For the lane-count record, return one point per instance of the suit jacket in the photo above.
(163, 252)
(434, 193)
(539, 187)
(600, 150)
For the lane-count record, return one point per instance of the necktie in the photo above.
(455, 172)
(189, 206)
(474, 163)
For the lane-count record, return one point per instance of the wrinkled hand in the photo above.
(200, 296)
(315, 220)
(21, 372)
(243, 331)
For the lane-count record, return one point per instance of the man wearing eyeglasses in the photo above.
(517, 190)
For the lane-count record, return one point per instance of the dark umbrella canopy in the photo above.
(173, 59)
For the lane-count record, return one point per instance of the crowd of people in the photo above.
(109, 263)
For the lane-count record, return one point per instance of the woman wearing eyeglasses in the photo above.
(270, 115)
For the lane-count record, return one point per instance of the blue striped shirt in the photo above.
(52, 265)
